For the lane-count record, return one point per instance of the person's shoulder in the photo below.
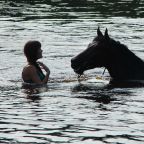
(30, 68)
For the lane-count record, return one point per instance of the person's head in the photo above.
(32, 51)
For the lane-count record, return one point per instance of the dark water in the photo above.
(66, 111)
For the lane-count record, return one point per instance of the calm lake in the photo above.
(67, 111)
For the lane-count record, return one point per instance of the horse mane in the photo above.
(119, 47)
(121, 51)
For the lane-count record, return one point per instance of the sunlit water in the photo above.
(66, 111)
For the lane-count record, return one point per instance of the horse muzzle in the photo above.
(77, 67)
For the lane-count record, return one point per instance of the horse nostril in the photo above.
(72, 60)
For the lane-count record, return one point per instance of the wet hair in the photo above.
(31, 51)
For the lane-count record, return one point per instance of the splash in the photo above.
(81, 77)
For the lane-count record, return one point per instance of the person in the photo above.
(32, 72)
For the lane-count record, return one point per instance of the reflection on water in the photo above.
(32, 91)
(67, 111)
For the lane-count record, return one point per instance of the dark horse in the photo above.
(121, 63)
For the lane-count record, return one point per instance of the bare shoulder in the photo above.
(29, 68)
(28, 72)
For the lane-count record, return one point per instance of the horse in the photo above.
(121, 63)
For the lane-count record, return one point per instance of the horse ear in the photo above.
(106, 34)
(99, 33)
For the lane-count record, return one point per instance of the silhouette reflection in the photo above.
(101, 93)
(33, 91)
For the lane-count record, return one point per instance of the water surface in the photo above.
(66, 111)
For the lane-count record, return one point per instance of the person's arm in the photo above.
(45, 80)
(35, 78)
(43, 66)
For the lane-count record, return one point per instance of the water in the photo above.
(66, 111)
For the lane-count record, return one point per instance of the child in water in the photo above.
(32, 72)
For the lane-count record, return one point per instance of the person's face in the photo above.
(39, 53)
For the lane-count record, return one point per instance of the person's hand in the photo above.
(42, 65)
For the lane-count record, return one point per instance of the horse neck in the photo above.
(126, 66)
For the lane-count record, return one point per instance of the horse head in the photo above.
(103, 51)
(95, 55)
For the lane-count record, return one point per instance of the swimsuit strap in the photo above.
(41, 75)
